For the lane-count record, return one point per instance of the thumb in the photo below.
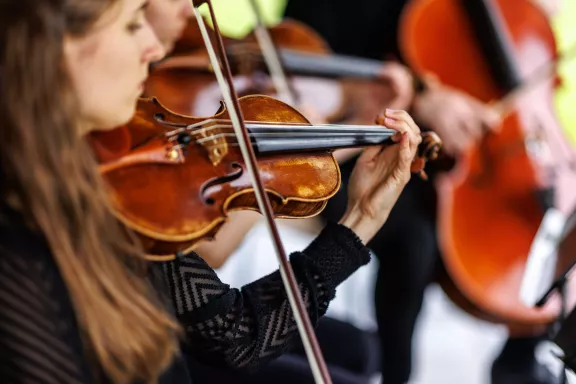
(402, 170)
(369, 154)
(490, 116)
(493, 118)
(405, 155)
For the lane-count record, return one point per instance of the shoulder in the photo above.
(25, 257)
(27, 268)
(37, 323)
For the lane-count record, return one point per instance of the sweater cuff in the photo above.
(335, 254)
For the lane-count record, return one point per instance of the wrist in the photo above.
(363, 226)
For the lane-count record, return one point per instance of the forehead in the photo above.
(118, 10)
(104, 31)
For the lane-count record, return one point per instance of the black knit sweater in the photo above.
(240, 328)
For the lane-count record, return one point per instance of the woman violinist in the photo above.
(79, 304)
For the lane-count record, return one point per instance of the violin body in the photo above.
(489, 206)
(186, 85)
(197, 194)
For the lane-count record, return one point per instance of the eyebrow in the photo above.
(142, 6)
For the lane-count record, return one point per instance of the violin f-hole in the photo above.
(213, 185)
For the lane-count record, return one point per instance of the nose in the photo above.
(153, 50)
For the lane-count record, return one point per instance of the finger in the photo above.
(492, 119)
(463, 122)
(381, 120)
(396, 74)
(399, 114)
(453, 137)
(488, 116)
(405, 156)
(396, 137)
(369, 154)
(431, 80)
(414, 138)
(471, 126)
(463, 136)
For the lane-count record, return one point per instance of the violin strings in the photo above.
(272, 124)
(255, 135)
(261, 142)
(262, 136)
(211, 124)
(283, 135)
(224, 130)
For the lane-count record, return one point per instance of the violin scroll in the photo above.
(428, 149)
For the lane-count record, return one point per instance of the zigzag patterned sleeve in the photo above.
(248, 327)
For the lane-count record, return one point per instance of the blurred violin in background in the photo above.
(318, 79)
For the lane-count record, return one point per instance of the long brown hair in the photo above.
(53, 176)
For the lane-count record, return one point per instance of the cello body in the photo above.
(492, 203)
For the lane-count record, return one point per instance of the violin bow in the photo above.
(543, 73)
(224, 77)
(272, 58)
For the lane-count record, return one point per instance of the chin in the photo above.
(114, 121)
(168, 46)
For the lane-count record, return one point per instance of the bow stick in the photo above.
(224, 77)
(272, 58)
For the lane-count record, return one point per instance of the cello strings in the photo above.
(545, 72)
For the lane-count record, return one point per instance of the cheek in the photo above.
(165, 23)
(109, 88)
(160, 20)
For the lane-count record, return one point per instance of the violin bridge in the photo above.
(215, 144)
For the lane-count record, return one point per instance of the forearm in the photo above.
(228, 238)
(248, 327)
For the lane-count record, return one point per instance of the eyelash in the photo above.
(134, 26)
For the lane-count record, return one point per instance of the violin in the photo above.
(173, 179)
(185, 82)
(491, 205)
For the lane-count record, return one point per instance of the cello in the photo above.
(492, 203)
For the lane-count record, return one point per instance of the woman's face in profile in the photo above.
(109, 65)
